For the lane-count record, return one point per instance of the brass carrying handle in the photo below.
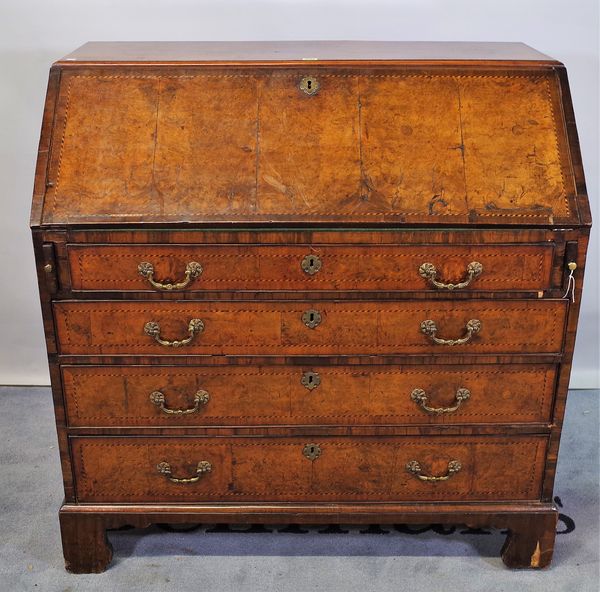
(429, 272)
(192, 271)
(414, 468)
(420, 397)
(152, 328)
(164, 468)
(200, 398)
(430, 329)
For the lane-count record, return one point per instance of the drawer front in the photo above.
(272, 328)
(474, 468)
(107, 396)
(309, 267)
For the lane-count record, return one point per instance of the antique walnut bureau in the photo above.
(309, 283)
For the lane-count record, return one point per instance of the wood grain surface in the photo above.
(405, 146)
(107, 396)
(280, 52)
(269, 268)
(272, 328)
(367, 469)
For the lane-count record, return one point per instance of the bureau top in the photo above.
(301, 51)
(264, 134)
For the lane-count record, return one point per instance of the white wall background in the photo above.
(33, 33)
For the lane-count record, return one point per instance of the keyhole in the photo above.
(312, 451)
(309, 85)
(310, 380)
(311, 264)
(311, 318)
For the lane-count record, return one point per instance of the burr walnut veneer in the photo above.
(309, 283)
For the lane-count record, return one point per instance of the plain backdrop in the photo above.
(34, 33)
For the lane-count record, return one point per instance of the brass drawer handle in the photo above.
(429, 272)
(414, 468)
(430, 329)
(164, 468)
(200, 398)
(192, 271)
(152, 328)
(420, 397)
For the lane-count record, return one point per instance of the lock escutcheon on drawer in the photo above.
(312, 318)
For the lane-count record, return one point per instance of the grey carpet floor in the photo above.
(320, 559)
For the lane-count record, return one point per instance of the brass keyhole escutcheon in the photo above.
(310, 380)
(312, 451)
(311, 318)
(309, 85)
(311, 264)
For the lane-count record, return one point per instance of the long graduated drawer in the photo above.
(193, 268)
(110, 396)
(330, 469)
(271, 328)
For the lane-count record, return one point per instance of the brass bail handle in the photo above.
(430, 329)
(192, 271)
(414, 468)
(195, 327)
(164, 468)
(419, 396)
(429, 272)
(158, 398)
